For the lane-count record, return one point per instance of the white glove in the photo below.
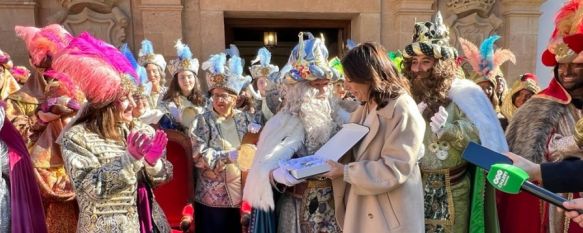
(438, 121)
(422, 106)
(233, 156)
(253, 128)
(282, 176)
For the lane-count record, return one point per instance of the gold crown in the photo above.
(461, 6)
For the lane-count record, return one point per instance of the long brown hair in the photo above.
(173, 94)
(101, 120)
(432, 90)
(368, 63)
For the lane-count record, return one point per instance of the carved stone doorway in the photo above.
(247, 34)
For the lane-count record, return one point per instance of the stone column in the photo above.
(520, 28)
(14, 13)
(159, 22)
(399, 32)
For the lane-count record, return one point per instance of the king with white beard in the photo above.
(305, 122)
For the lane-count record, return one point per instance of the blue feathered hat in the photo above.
(147, 56)
(143, 87)
(226, 74)
(185, 61)
(308, 60)
(261, 66)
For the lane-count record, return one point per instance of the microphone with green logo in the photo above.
(511, 179)
(506, 177)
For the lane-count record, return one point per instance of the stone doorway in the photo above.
(248, 34)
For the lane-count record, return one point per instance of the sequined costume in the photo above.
(105, 178)
(446, 181)
(4, 191)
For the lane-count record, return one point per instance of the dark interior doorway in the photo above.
(248, 34)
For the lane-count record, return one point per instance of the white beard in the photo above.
(316, 115)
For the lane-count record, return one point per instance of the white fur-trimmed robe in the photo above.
(281, 137)
(470, 98)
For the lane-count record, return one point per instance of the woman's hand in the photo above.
(531, 168)
(336, 170)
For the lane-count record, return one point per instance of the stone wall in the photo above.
(200, 23)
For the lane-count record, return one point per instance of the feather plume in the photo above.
(232, 51)
(95, 77)
(125, 50)
(67, 85)
(215, 64)
(565, 18)
(182, 50)
(396, 58)
(350, 44)
(487, 54)
(87, 45)
(503, 55)
(142, 75)
(147, 48)
(235, 65)
(264, 56)
(472, 53)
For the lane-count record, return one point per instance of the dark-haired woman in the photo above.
(377, 186)
(183, 100)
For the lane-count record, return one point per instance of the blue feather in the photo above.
(264, 56)
(235, 65)
(218, 63)
(232, 50)
(487, 53)
(142, 74)
(350, 44)
(147, 48)
(183, 51)
(125, 50)
(309, 49)
(128, 54)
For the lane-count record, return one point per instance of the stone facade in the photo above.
(201, 23)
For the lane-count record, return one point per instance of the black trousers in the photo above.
(211, 219)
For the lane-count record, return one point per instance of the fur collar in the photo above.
(281, 137)
(531, 127)
(475, 105)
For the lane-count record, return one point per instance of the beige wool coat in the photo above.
(381, 189)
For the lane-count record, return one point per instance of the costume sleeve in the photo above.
(4, 163)
(204, 156)
(93, 178)
(160, 173)
(399, 154)
(460, 131)
(563, 177)
(560, 146)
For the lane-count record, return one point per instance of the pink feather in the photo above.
(85, 44)
(42, 42)
(98, 80)
(67, 85)
(503, 55)
(472, 53)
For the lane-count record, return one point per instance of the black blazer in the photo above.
(563, 177)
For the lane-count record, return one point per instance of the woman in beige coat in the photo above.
(377, 186)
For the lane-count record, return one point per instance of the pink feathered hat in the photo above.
(99, 69)
(43, 43)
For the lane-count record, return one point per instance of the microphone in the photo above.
(506, 177)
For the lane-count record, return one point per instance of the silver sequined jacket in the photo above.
(105, 179)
